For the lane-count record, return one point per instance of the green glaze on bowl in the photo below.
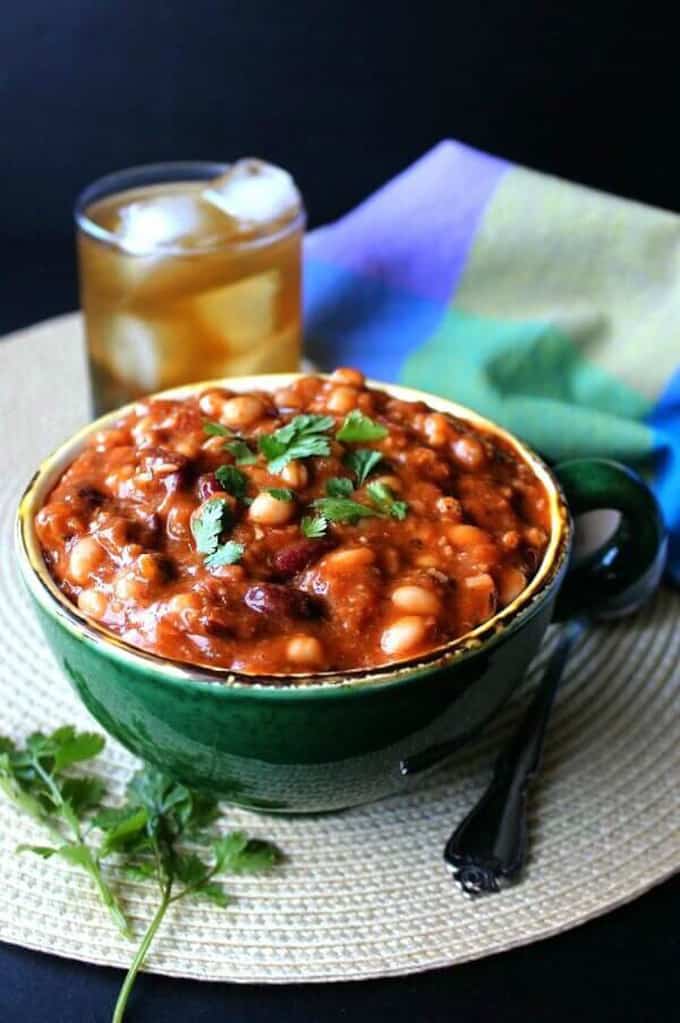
(305, 743)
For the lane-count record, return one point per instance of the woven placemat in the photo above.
(364, 893)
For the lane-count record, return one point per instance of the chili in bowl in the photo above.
(278, 587)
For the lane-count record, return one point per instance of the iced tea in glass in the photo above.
(189, 271)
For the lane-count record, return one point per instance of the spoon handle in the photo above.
(490, 844)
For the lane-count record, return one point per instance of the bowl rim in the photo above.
(55, 603)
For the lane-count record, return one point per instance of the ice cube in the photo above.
(255, 192)
(133, 352)
(244, 313)
(149, 224)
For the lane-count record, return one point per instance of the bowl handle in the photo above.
(625, 569)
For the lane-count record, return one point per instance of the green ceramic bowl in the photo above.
(315, 742)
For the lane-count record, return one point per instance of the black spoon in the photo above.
(489, 846)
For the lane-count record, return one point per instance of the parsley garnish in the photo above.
(236, 445)
(216, 430)
(241, 452)
(339, 486)
(358, 427)
(313, 526)
(233, 481)
(208, 525)
(300, 438)
(282, 493)
(144, 833)
(384, 499)
(362, 461)
(226, 554)
(342, 509)
(32, 779)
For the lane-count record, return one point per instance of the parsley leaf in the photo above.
(216, 430)
(358, 427)
(233, 481)
(144, 833)
(362, 461)
(342, 509)
(313, 526)
(300, 438)
(207, 526)
(172, 812)
(306, 423)
(385, 501)
(79, 746)
(282, 493)
(241, 452)
(227, 554)
(32, 779)
(339, 486)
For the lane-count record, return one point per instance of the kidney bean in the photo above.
(93, 497)
(217, 622)
(158, 459)
(146, 528)
(208, 484)
(280, 601)
(293, 558)
(174, 481)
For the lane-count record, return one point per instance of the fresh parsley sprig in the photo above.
(216, 429)
(241, 452)
(281, 493)
(343, 509)
(313, 526)
(339, 486)
(229, 553)
(302, 437)
(236, 445)
(233, 481)
(33, 779)
(362, 461)
(146, 834)
(208, 525)
(158, 814)
(357, 428)
(385, 501)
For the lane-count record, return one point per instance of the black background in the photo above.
(344, 95)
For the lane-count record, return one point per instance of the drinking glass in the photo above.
(188, 271)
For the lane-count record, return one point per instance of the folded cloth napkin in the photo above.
(549, 307)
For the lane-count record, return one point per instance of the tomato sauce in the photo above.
(325, 526)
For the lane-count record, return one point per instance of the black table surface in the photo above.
(620, 968)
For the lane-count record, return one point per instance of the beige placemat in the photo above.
(364, 893)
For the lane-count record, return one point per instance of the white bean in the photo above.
(348, 375)
(342, 399)
(269, 511)
(416, 600)
(85, 557)
(305, 651)
(511, 585)
(93, 603)
(347, 559)
(403, 635)
(294, 474)
(243, 410)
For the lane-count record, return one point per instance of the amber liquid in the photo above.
(219, 301)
